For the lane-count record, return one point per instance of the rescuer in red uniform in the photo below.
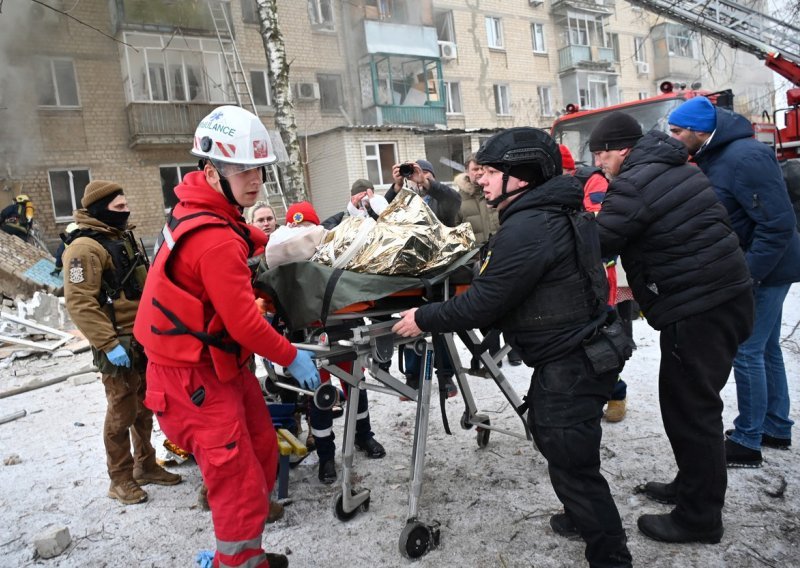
(199, 325)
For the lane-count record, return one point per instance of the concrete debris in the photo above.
(13, 459)
(83, 379)
(30, 333)
(53, 542)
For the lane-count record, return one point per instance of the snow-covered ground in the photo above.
(493, 503)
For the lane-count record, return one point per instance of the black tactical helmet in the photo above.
(528, 151)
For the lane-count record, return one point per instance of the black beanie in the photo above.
(615, 132)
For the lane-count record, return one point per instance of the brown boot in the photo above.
(202, 498)
(127, 492)
(275, 512)
(615, 411)
(156, 475)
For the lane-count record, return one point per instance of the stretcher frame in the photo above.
(369, 345)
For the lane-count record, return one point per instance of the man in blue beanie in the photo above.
(747, 180)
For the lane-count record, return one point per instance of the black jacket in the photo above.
(530, 285)
(445, 202)
(677, 246)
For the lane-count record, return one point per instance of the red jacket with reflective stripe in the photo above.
(207, 286)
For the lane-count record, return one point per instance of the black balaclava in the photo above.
(100, 211)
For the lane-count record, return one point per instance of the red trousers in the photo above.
(231, 436)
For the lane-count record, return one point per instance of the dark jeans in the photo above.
(441, 361)
(696, 357)
(566, 403)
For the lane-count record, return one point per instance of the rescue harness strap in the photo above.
(212, 340)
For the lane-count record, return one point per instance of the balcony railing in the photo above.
(165, 123)
(584, 55)
(399, 114)
(600, 7)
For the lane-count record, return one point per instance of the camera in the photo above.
(407, 169)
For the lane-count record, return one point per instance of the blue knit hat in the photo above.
(695, 114)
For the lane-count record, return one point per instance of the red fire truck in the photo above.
(774, 41)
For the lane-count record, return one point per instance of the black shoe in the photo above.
(737, 455)
(775, 443)
(515, 362)
(371, 447)
(666, 493)
(769, 441)
(562, 525)
(327, 473)
(664, 529)
(277, 560)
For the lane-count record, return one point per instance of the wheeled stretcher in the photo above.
(335, 337)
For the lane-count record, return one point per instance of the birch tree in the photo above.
(278, 74)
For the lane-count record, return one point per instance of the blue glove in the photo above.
(304, 370)
(119, 357)
(204, 559)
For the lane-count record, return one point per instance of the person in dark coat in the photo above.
(542, 283)
(690, 278)
(749, 183)
(445, 202)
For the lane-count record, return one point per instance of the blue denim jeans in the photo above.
(761, 388)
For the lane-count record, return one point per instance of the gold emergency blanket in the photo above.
(407, 239)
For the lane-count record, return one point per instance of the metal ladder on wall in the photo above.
(735, 24)
(220, 17)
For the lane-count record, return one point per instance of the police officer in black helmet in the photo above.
(542, 283)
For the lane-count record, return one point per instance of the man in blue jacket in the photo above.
(747, 180)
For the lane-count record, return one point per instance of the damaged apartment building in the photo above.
(113, 89)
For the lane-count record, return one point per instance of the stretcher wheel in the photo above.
(483, 434)
(419, 347)
(326, 396)
(342, 515)
(417, 539)
(465, 423)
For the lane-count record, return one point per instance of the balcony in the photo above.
(602, 7)
(188, 16)
(585, 57)
(399, 114)
(165, 124)
(401, 39)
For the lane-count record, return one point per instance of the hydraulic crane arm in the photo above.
(768, 38)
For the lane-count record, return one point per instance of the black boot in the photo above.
(327, 472)
(371, 447)
(277, 560)
(665, 529)
(666, 493)
(737, 455)
(562, 525)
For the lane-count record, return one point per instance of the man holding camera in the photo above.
(445, 202)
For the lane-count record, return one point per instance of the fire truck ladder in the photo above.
(737, 25)
(242, 92)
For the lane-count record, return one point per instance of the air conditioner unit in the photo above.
(642, 67)
(306, 91)
(448, 50)
(535, 3)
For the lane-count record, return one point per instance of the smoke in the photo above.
(18, 95)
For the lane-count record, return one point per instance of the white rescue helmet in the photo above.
(235, 136)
